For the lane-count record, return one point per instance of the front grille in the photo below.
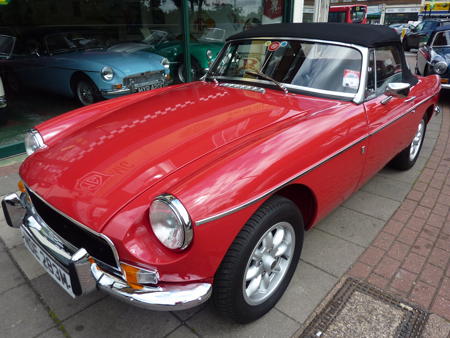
(143, 79)
(96, 246)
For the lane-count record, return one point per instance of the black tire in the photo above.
(180, 71)
(12, 83)
(405, 45)
(408, 156)
(85, 91)
(228, 289)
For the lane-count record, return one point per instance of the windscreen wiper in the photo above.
(267, 77)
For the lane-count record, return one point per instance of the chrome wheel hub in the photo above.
(85, 93)
(417, 141)
(268, 263)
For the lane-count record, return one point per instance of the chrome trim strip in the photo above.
(281, 186)
(445, 86)
(304, 172)
(106, 238)
(244, 87)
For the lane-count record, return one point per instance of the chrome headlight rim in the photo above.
(33, 141)
(165, 63)
(107, 73)
(181, 214)
(440, 67)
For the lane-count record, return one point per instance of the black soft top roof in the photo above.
(358, 34)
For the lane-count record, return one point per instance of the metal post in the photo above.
(288, 11)
(298, 10)
(186, 39)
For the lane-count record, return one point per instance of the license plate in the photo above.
(58, 273)
(149, 87)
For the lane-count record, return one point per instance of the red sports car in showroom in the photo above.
(166, 198)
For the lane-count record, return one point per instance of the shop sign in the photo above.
(402, 9)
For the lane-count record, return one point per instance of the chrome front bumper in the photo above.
(121, 91)
(89, 276)
(445, 85)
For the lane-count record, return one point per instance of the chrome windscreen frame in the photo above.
(357, 97)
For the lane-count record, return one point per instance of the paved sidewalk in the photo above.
(410, 257)
(393, 219)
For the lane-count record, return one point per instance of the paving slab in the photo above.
(307, 288)
(8, 184)
(352, 226)
(10, 276)
(387, 187)
(186, 314)
(329, 253)
(59, 301)
(52, 333)
(436, 327)
(24, 316)
(409, 176)
(182, 332)
(373, 205)
(113, 318)
(208, 323)
(10, 236)
(29, 265)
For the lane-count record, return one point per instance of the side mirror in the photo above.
(35, 52)
(422, 44)
(397, 89)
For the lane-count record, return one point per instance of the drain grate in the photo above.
(359, 309)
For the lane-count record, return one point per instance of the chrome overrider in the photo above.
(20, 214)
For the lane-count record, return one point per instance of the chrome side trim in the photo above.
(98, 234)
(305, 171)
(281, 186)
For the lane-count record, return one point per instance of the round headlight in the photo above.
(107, 73)
(170, 222)
(209, 54)
(440, 67)
(33, 141)
(166, 63)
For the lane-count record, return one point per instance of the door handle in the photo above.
(412, 98)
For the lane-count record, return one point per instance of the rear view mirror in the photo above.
(397, 89)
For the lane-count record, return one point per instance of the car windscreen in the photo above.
(358, 14)
(65, 42)
(305, 65)
(6, 44)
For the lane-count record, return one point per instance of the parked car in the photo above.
(77, 64)
(165, 198)
(434, 56)
(3, 102)
(203, 50)
(422, 32)
(399, 27)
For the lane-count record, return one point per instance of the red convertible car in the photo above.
(167, 198)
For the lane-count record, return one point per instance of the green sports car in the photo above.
(203, 50)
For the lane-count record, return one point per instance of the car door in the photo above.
(387, 117)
